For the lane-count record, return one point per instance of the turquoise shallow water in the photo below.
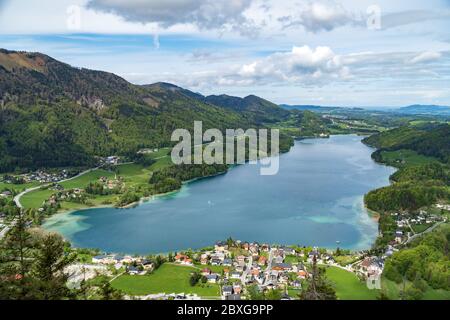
(315, 199)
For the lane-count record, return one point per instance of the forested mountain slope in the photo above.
(52, 114)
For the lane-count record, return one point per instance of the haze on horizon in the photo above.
(329, 52)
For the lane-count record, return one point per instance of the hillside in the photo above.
(422, 155)
(431, 140)
(55, 115)
(425, 109)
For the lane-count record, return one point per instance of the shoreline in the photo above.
(372, 214)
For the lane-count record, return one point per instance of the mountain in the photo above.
(425, 109)
(55, 115)
(254, 108)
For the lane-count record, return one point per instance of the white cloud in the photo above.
(425, 57)
(206, 15)
(300, 65)
(316, 16)
(324, 16)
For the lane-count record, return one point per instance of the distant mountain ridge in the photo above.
(425, 109)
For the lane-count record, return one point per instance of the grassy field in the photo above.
(348, 286)
(392, 290)
(405, 157)
(18, 187)
(36, 198)
(132, 174)
(167, 279)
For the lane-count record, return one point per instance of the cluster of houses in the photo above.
(110, 184)
(246, 264)
(111, 160)
(372, 267)
(406, 222)
(47, 177)
(147, 151)
(133, 265)
(72, 195)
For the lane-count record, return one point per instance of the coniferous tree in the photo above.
(318, 286)
(15, 261)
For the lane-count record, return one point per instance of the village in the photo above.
(234, 266)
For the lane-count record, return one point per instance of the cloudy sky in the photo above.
(330, 52)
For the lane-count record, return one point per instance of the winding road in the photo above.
(424, 232)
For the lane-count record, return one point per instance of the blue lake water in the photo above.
(315, 199)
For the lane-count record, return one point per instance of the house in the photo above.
(255, 272)
(389, 252)
(240, 267)
(147, 265)
(215, 262)
(314, 254)
(204, 259)
(285, 297)
(262, 261)
(126, 259)
(282, 267)
(284, 278)
(240, 259)
(188, 262)
(6, 193)
(227, 262)
(288, 251)
(132, 270)
(233, 297)
(181, 258)
(278, 259)
(227, 290)
(375, 268)
(220, 246)
(302, 274)
(235, 275)
(237, 289)
(212, 278)
(103, 259)
(205, 271)
(254, 248)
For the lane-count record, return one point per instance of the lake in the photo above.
(316, 199)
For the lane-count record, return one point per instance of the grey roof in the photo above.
(227, 288)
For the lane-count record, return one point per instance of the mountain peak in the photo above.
(11, 60)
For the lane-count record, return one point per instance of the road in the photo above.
(6, 229)
(269, 266)
(422, 233)
(20, 195)
(247, 270)
(4, 232)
